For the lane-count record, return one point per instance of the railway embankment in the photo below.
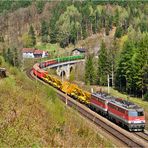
(31, 115)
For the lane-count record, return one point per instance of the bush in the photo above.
(1, 61)
(119, 32)
(146, 96)
(40, 6)
(14, 71)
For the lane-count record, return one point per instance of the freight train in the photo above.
(122, 112)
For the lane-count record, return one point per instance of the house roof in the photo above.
(79, 49)
(28, 50)
(39, 51)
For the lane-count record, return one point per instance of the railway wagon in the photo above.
(127, 114)
(61, 59)
(37, 71)
(69, 58)
(53, 81)
(47, 63)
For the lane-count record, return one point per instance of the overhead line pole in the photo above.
(108, 83)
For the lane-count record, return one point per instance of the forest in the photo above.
(125, 61)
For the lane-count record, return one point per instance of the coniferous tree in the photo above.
(89, 70)
(119, 32)
(58, 10)
(9, 56)
(140, 60)
(4, 54)
(103, 70)
(12, 56)
(131, 70)
(1, 61)
(16, 61)
(84, 32)
(44, 31)
(40, 6)
(125, 67)
(32, 35)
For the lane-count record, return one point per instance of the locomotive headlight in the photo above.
(143, 121)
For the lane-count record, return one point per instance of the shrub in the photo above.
(14, 71)
(146, 96)
(1, 61)
(119, 32)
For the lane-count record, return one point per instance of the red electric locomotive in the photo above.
(99, 102)
(127, 114)
(122, 112)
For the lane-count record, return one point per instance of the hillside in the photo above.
(13, 25)
(115, 35)
(31, 116)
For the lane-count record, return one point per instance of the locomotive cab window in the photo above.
(132, 113)
(140, 113)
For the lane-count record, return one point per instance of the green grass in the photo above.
(48, 47)
(138, 101)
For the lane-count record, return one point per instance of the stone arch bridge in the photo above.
(64, 68)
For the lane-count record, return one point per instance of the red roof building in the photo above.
(40, 53)
(34, 53)
(28, 50)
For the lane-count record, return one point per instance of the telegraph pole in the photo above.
(112, 76)
(108, 84)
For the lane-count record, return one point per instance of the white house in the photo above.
(28, 52)
(34, 53)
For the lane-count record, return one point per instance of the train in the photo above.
(122, 112)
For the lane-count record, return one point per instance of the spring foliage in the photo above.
(78, 20)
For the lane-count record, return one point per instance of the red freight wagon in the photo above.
(47, 63)
(39, 72)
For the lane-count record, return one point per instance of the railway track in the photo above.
(129, 141)
(143, 135)
(127, 138)
(28, 73)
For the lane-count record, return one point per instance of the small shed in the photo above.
(78, 51)
(2, 72)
